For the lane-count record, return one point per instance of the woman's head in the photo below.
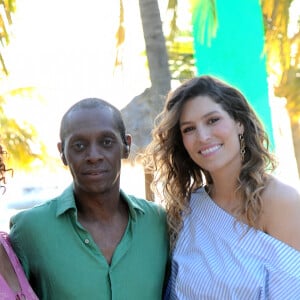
(230, 99)
(210, 135)
(174, 167)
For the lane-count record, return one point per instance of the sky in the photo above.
(66, 49)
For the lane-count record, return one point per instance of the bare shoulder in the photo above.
(281, 212)
(280, 192)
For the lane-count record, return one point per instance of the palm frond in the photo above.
(205, 20)
(7, 8)
(120, 37)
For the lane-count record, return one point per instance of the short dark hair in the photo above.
(90, 103)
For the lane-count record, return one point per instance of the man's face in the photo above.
(93, 150)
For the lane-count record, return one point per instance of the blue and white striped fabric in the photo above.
(215, 259)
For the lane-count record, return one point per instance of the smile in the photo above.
(210, 150)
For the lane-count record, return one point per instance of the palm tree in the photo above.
(8, 8)
(141, 111)
(18, 139)
(283, 52)
(139, 114)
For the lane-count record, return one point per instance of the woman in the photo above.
(234, 228)
(13, 282)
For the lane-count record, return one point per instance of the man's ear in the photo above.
(62, 155)
(127, 145)
(126, 151)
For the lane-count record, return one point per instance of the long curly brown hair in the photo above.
(176, 175)
(3, 169)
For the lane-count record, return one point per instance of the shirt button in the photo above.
(87, 241)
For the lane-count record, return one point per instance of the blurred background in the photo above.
(131, 53)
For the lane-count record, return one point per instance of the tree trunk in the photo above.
(155, 47)
(158, 63)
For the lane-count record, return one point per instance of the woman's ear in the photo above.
(240, 128)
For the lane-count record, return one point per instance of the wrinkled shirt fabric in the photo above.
(217, 258)
(63, 262)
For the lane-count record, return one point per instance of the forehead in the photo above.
(90, 120)
(200, 105)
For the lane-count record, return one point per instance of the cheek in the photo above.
(72, 164)
(232, 139)
(187, 141)
(72, 168)
(224, 132)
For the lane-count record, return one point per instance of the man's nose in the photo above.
(94, 153)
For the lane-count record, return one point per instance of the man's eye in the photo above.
(107, 142)
(78, 146)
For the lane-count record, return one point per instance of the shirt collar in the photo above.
(67, 202)
(133, 205)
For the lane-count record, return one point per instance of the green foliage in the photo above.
(20, 139)
(277, 43)
(283, 60)
(18, 142)
(283, 53)
(179, 44)
(120, 37)
(181, 59)
(7, 8)
(208, 20)
(289, 88)
(180, 47)
(172, 7)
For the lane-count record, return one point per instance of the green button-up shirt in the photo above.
(63, 262)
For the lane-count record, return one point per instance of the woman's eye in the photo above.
(213, 120)
(187, 129)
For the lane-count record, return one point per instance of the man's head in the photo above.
(93, 142)
(93, 103)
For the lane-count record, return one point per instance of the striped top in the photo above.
(215, 258)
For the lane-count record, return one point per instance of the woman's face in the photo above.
(210, 135)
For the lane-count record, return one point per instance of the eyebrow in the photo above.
(204, 116)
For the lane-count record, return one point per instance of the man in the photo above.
(93, 241)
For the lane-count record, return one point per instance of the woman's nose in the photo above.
(203, 133)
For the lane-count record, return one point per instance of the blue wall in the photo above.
(235, 54)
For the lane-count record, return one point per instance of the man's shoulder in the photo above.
(148, 207)
(151, 219)
(37, 212)
(48, 209)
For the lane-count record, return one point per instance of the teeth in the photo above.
(210, 150)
